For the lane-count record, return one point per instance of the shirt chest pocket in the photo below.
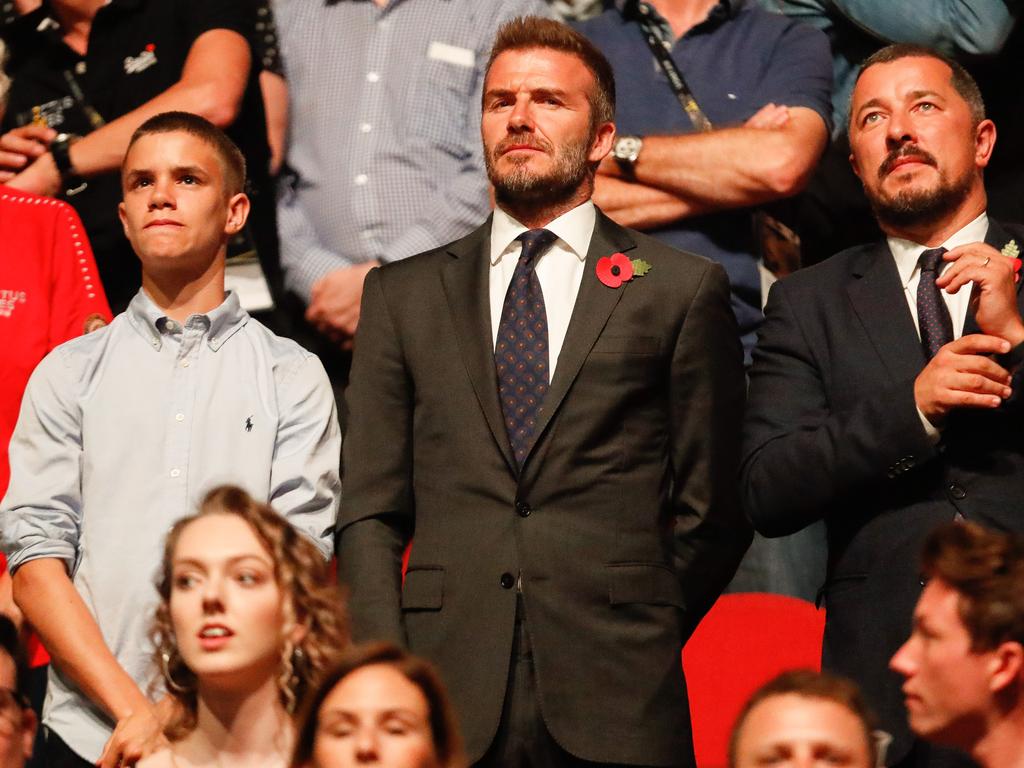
(442, 103)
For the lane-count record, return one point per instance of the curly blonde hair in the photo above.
(312, 601)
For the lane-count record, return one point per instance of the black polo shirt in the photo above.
(136, 51)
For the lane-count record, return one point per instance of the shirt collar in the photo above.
(152, 323)
(574, 229)
(907, 252)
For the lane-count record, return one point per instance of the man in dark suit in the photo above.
(883, 396)
(552, 405)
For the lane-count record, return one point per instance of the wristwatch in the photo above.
(60, 148)
(626, 151)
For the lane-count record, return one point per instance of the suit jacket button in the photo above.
(956, 491)
(507, 581)
(523, 509)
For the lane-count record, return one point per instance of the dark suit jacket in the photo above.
(832, 431)
(623, 523)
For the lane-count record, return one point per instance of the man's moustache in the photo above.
(899, 154)
(504, 145)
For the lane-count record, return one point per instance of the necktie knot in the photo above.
(535, 243)
(930, 259)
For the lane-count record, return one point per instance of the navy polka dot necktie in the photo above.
(932, 312)
(521, 352)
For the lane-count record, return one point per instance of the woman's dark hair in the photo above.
(444, 729)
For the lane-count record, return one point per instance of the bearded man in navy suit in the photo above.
(885, 393)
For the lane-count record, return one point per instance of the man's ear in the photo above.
(604, 138)
(123, 216)
(1006, 666)
(984, 142)
(29, 724)
(238, 212)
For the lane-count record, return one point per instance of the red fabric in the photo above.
(744, 641)
(49, 287)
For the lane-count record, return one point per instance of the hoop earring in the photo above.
(165, 668)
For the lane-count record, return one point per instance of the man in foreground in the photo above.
(963, 665)
(804, 718)
(550, 403)
(123, 430)
(883, 394)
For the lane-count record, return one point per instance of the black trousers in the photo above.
(57, 754)
(522, 740)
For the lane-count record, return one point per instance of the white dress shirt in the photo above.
(907, 253)
(559, 269)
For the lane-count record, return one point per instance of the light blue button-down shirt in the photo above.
(123, 431)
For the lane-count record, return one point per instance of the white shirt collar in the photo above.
(574, 228)
(907, 252)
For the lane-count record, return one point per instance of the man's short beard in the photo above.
(521, 187)
(914, 207)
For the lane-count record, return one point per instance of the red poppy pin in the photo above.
(618, 268)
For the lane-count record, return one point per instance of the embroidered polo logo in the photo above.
(248, 424)
(135, 64)
(9, 300)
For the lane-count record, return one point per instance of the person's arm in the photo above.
(726, 168)
(78, 303)
(377, 507)
(707, 392)
(304, 482)
(212, 84)
(41, 518)
(973, 27)
(52, 605)
(275, 105)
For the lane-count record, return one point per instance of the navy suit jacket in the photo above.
(832, 432)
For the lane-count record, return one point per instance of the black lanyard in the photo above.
(95, 118)
(675, 78)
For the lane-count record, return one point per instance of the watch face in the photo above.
(627, 148)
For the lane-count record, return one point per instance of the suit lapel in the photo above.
(594, 304)
(466, 283)
(998, 238)
(878, 299)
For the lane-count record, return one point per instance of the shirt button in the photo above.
(956, 491)
(361, 179)
(372, 77)
(184, 363)
(523, 509)
(507, 581)
(179, 417)
(175, 472)
(365, 127)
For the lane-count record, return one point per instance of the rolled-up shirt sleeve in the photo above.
(41, 514)
(304, 484)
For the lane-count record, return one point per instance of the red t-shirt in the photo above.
(49, 291)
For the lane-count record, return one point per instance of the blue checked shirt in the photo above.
(124, 430)
(384, 127)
